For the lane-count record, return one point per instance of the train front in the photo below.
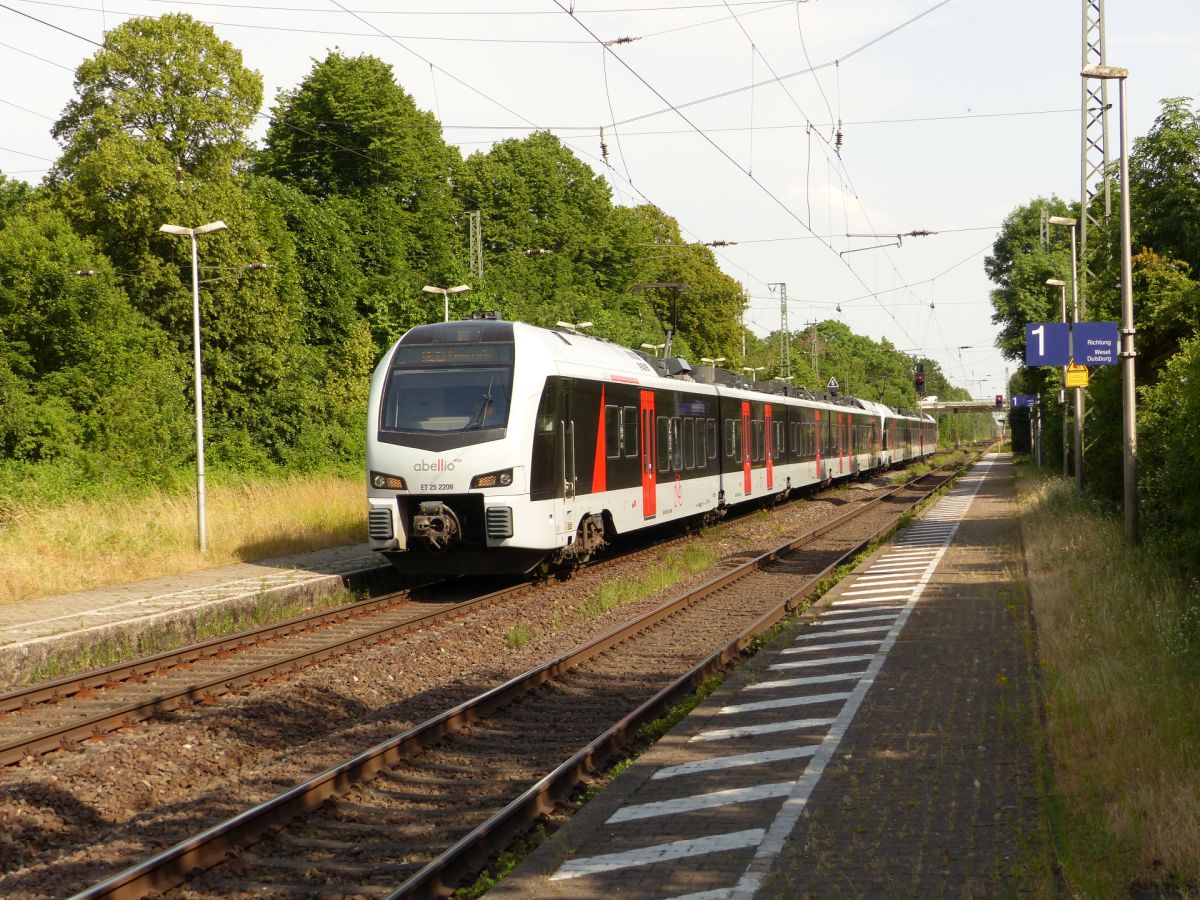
(447, 467)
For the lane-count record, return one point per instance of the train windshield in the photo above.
(448, 388)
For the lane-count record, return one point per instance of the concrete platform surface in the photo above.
(33, 630)
(885, 747)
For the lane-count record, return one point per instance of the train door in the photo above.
(648, 457)
(769, 445)
(817, 443)
(565, 512)
(840, 446)
(747, 446)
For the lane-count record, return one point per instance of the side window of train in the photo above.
(664, 443)
(629, 431)
(689, 443)
(612, 431)
(778, 447)
(676, 444)
(731, 439)
(712, 438)
(757, 430)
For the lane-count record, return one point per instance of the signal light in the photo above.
(999, 401)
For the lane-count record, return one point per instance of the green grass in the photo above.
(672, 568)
(518, 636)
(208, 625)
(1119, 646)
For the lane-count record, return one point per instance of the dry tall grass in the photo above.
(1119, 640)
(89, 543)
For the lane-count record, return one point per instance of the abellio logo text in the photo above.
(438, 465)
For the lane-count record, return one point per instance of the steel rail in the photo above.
(170, 867)
(206, 690)
(82, 685)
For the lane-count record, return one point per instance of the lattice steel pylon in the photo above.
(1093, 163)
(476, 245)
(785, 336)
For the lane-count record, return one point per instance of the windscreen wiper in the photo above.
(477, 422)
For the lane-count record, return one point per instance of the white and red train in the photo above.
(497, 446)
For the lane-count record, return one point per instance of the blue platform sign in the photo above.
(1047, 344)
(1096, 343)
(1023, 401)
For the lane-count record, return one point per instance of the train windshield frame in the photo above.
(452, 394)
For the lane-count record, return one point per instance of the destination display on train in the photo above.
(452, 355)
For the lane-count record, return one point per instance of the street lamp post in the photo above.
(653, 348)
(445, 292)
(1073, 224)
(753, 370)
(1128, 393)
(1062, 285)
(712, 360)
(193, 233)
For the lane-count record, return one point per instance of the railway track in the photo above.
(63, 713)
(427, 807)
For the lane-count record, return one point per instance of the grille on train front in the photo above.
(499, 522)
(379, 524)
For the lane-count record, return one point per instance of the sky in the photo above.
(724, 113)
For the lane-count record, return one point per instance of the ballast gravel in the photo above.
(74, 817)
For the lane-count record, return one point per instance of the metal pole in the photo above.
(446, 306)
(1078, 391)
(1065, 439)
(1129, 395)
(201, 525)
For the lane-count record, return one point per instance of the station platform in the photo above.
(36, 630)
(883, 746)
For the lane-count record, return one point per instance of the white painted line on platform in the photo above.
(717, 763)
(794, 807)
(699, 801)
(869, 592)
(815, 648)
(819, 623)
(868, 604)
(828, 661)
(610, 862)
(886, 598)
(885, 578)
(821, 635)
(802, 682)
(785, 703)
(724, 734)
(719, 894)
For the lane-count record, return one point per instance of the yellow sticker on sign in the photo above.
(1077, 375)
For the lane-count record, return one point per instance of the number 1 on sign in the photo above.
(1040, 331)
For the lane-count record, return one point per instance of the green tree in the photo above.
(166, 80)
(80, 370)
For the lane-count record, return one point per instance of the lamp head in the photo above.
(1098, 71)
(1056, 282)
(1061, 220)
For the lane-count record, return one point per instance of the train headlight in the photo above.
(502, 478)
(387, 482)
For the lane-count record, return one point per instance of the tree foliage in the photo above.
(166, 80)
(353, 204)
(1165, 205)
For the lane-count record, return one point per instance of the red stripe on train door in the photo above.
(769, 443)
(817, 441)
(600, 468)
(746, 445)
(649, 463)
